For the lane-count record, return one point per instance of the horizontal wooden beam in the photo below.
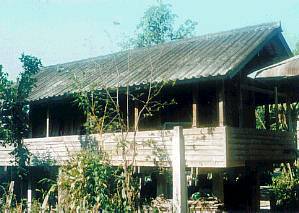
(261, 90)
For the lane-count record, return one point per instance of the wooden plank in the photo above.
(48, 122)
(204, 146)
(276, 107)
(221, 112)
(259, 145)
(195, 106)
(267, 117)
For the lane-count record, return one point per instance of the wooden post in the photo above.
(161, 185)
(241, 110)
(9, 197)
(267, 117)
(179, 197)
(48, 123)
(136, 112)
(218, 190)
(29, 196)
(276, 108)
(195, 106)
(192, 176)
(128, 111)
(221, 113)
(253, 107)
(255, 190)
(289, 116)
(196, 176)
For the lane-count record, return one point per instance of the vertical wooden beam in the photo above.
(289, 115)
(241, 108)
(221, 113)
(140, 186)
(267, 117)
(128, 111)
(48, 123)
(253, 107)
(192, 174)
(254, 184)
(136, 113)
(217, 181)
(195, 106)
(196, 176)
(29, 196)
(178, 171)
(161, 185)
(276, 108)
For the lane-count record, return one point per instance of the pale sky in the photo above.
(59, 31)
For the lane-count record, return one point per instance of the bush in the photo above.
(286, 188)
(88, 182)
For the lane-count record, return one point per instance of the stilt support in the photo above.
(179, 172)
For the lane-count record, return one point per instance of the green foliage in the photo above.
(14, 108)
(158, 26)
(282, 116)
(89, 182)
(196, 196)
(109, 188)
(45, 160)
(286, 188)
(296, 50)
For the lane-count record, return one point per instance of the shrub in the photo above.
(88, 182)
(286, 188)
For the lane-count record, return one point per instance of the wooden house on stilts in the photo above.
(215, 104)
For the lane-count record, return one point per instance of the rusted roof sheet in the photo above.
(283, 69)
(212, 55)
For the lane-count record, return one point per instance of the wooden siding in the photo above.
(214, 147)
(205, 147)
(5, 158)
(259, 145)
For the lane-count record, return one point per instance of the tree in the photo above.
(296, 50)
(14, 108)
(158, 26)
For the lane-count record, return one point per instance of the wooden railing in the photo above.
(205, 147)
(259, 145)
(215, 147)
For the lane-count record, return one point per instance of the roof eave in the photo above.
(233, 72)
(68, 96)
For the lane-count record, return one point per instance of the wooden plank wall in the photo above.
(58, 148)
(217, 147)
(204, 147)
(5, 158)
(259, 145)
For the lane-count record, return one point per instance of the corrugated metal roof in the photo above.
(283, 69)
(211, 55)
